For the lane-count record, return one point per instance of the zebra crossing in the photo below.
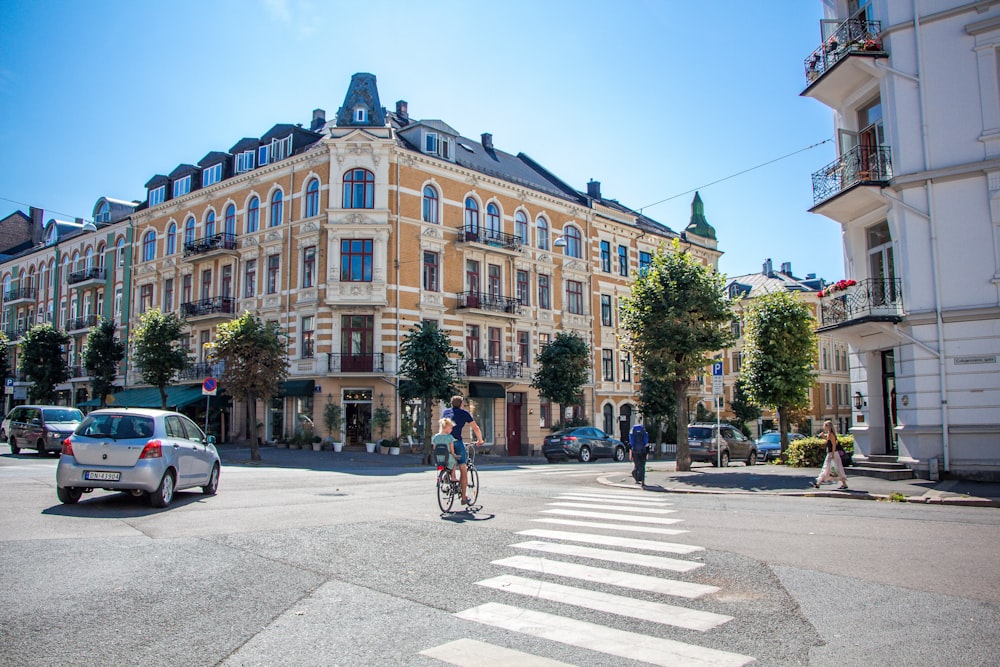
(578, 525)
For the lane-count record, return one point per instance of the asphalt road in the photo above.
(355, 565)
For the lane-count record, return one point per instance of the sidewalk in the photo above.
(661, 476)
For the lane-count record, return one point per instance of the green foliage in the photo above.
(703, 414)
(427, 372)
(256, 362)
(380, 420)
(810, 452)
(4, 357)
(563, 363)
(157, 349)
(744, 411)
(674, 319)
(42, 362)
(102, 353)
(332, 418)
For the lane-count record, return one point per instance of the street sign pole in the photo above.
(716, 392)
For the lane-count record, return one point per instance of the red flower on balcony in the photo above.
(838, 286)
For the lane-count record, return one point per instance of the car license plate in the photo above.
(101, 476)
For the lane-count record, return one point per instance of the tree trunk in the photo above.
(683, 453)
(163, 397)
(254, 447)
(428, 414)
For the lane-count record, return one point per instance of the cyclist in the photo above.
(460, 416)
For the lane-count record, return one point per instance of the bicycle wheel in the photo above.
(473, 487)
(445, 491)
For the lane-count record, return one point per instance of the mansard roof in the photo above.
(362, 93)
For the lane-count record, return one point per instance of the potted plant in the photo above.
(392, 444)
(332, 421)
(380, 420)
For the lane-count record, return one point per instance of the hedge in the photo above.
(810, 452)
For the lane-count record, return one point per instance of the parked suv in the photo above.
(39, 427)
(703, 438)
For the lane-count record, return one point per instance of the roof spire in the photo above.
(699, 225)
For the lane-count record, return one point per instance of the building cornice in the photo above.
(953, 172)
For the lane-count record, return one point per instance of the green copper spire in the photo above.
(699, 225)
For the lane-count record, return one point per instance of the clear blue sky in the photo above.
(652, 98)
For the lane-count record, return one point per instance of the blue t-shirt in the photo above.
(638, 438)
(461, 417)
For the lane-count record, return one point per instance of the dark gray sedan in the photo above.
(585, 443)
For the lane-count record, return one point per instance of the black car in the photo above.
(585, 443)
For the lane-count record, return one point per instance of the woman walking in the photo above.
(833, 457)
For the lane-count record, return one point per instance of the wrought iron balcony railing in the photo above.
(211, 306)
(19, 294)
(862, 165)
(202, 370)
(853, 36)
(78, 371)
(82, 323)
(487, 301)
(873, 299)
(211, 243)
(470, 234)
(83, 275)
(355, 363)
(16, 332)
(493, 369)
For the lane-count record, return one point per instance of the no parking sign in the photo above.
(209, 387)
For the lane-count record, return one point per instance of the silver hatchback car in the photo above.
(144, 451)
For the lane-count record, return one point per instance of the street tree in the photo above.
(779, 355)
(658, 407)
(563, 363)
(5, 371)
(102, 353)
(254, 356)
(744, 411)
(43, 363)
(158, 351)
(675, 317)
(427, 372)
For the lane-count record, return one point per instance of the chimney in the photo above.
(786, 268)
(402, 110)
(37, 217)
(594, 189)
(319, 120)
(487, 141)
(768, 269)
(810, 276)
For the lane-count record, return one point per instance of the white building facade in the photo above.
(915, 90)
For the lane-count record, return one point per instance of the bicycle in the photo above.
(448, 488)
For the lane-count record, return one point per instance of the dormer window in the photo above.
(445, 148)
(431, 143)
(157, 194)
(104, 213)
(437, 144)
(211, 175)
(245, 161)
(262, 155)
(361, 115)
(182, 186)
(281, 148)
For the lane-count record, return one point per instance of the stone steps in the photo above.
(881, 466)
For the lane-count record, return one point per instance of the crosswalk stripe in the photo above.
(612, 541)
(621, 643)
(656, 612)
(639, 582)
(592, 504)
(473, 653)
(640, 502)
(616, 517)
(568, 473)
(613, 526)
(579, 551)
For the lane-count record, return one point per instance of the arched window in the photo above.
(74, 265)
(89, 262)
(521, 226)
(230, 221)
(171, 239)
(471, 215)
(430, 204)
(277, 209)
(359, 189)
(210, 224)
(312, 198)
(120, 252)
(189, 231)
(149, 246)
(493, 220)
(542, 233)
(609, 419)
(253, 215)
(103, 213)
(574, 246)
(100, 255)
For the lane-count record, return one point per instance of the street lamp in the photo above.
(859, 400)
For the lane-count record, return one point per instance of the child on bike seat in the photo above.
(444, 437)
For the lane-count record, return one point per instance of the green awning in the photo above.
(149, 397)
(298, 388)
(486, 390)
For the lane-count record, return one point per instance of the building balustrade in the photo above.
(83, 323)
(355, 363)
(862, 165)
(487, 301)
(867, 300)
(202, 370)
(19, 294)
(493, 369)
(471, 234)
(16, 332)
(96, 273)
(853, 36)
(211, 306)
(205, 244)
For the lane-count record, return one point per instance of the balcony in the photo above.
(845, 62)
(851, 185)
(95, 275)
(82, 324)
(15, 332)
(355, 363)
(491, 302)
(865, 302)
(216, 243)
(491, 369)
(202, 370)
(214, 307)
(16, 295)
(492, 239)
(77, 371)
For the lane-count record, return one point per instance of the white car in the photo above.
(143, 451)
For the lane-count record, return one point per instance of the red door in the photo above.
(513, 429)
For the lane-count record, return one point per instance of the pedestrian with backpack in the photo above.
(638, 441)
